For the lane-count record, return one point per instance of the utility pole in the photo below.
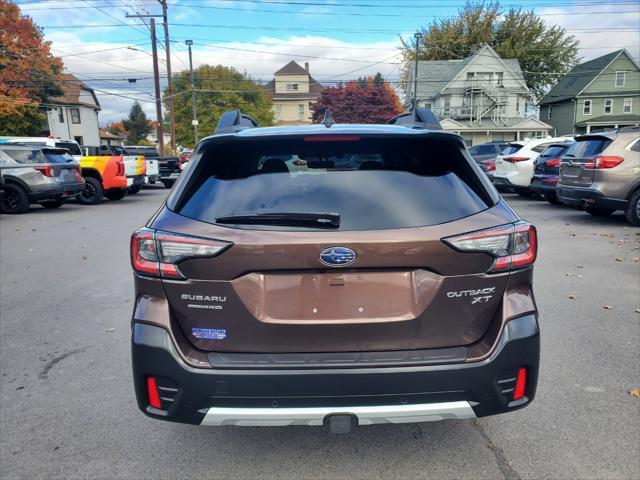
(194, 122)
(172, 118)
(156, 78)
(417, 36)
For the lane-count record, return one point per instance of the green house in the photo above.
(600, 94)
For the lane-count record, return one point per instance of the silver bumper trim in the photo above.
(314, 416)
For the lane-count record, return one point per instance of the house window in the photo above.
(61, 115)
(608, 105)
(627, 106)
(549, 111)
(301, 111)
(75, 115)
(278, 112)
(428, 106)
(80, 140)
(447, 105)
(292, 86)
(499, 78)
(620, 78)
(586, 108)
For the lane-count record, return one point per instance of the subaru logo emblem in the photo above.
(337, 256)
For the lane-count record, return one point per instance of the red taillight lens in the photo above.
(603, 162)
(491, 166)
(152, 393)
(157, 254)
(513, 246)
(515, 159)
(46, 171)
(521, 383)
(554, 162)
(120, 171)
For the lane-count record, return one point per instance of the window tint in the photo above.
(482, 150)
(511, 148)
(73, 148)
(588, 147)
(39, 156)
(373, 183)
(541, 147)
(636, 146)
(553, 151)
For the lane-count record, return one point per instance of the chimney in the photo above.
(306, 66)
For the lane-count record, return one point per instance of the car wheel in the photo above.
(168, 183)
(53, 203)
(116, 194)
(633, 209)
(134, 189)
(92, 193)
(552, 199)
(598, 212)
(15, 200)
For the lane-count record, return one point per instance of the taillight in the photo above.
(514, 246)
(603, 162)
(332, 138)
(120, 164)
(152, 393)
(46, 171)
(554, 162)
(491, 166)
(515, 159)
(521, 383)
(157, 254)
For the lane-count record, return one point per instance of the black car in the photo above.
(546, 171)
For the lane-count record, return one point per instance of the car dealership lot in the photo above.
(67, 406)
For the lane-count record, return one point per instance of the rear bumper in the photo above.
(588, 196)
(285, 396)
(61, 191)
(548, 188)
(169, 174)
(136, 180)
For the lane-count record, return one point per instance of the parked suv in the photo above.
(36, 174)
(333, 274)
(546, 171)
(486, 155)
(601, 173)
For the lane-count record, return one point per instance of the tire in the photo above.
(168, 183)
(15, 200)
(552, 199)
(633, 209)
(50, 204)
(134, 189)
(116, 194)
(92, 193)
(598, 212)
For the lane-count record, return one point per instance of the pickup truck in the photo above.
(169, 168)
(104, 174)
(135, 165)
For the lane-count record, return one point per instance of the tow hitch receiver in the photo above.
(341, 422)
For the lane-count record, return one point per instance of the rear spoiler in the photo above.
(419, 118)
(233, 121)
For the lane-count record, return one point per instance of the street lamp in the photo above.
(417, 36)
(194, 122)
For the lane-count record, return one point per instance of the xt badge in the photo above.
(482, 295)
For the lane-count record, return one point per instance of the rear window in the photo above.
(511, 148)
(554, 151)
(372, 184)
(39, 156)
(73, 148)
(588, 147)
(482, 150)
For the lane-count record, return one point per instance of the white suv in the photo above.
(515, 170)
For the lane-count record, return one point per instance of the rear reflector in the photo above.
(157, 254)
(332, 138)
(152, 392)
(515, 159)
(603, 162)
(521, 383)
(514, 246)
(550, 180)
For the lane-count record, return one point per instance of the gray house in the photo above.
(595, 95)
(482, 97)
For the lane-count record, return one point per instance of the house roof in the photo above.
(509, 123)
(578, 78)
(71, 89)
(613, 119)
(110, 136)
(314, 91)
(292, 68)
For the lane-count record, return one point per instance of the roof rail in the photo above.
(233, 121)
(418, 118)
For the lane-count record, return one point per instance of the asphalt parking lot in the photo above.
(67, 407)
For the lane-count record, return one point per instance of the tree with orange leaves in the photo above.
(29, 73)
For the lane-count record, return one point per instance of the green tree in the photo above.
(137, 125)
(218, 89)
(545, 52)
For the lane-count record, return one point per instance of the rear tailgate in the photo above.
(574, 169)
(152, 166)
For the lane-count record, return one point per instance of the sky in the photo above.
(341, 39)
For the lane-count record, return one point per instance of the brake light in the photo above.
(120, 171)
(46, 171)
(554, 162)
(491, 166)
(515, 159)
(513, 246)
(152, 393)
(603, 162)
(332, 138)
(521, 383)
(157, 254)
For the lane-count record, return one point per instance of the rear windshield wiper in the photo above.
(285, 219)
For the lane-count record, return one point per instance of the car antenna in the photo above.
(328, 119)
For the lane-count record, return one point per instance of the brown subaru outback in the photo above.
(333, 274)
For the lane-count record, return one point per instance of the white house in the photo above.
(293, 90)
(482, 97)
(75, 114)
